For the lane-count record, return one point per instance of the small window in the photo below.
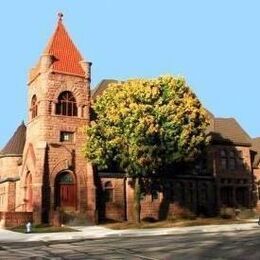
(109, 192)
(155, 195)
(66, 136)
(34, 107)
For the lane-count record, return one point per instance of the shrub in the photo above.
(248, 213)
(227, 213)
(180, 212)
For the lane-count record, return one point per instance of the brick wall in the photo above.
(114, 209)
(243, 170)
(191, 195)
(13, 219)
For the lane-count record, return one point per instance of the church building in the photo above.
(43, 171)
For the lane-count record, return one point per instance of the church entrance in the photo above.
(65, 191)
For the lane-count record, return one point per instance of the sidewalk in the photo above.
(97, 232)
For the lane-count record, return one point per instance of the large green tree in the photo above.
(144, 125)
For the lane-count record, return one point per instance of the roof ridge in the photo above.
(67, 56)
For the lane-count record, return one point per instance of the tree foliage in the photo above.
(143, 125)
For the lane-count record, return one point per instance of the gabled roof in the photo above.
(66, 56)
(16, 144)
(256, 148)
(101, 87)
(228, 131)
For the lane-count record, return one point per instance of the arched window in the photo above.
(34, 107)
(67, 105)
(108, 192)
(224, 160)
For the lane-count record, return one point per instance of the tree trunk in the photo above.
(137, 200)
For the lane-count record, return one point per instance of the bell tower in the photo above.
(58, 111)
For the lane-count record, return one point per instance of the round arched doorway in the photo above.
(65, 191)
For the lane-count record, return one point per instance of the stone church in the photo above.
(43, 171)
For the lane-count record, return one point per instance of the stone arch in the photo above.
(62, 165)
(29, 164)
(79, 95)
(27, 176)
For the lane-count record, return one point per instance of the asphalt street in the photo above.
(212, 245)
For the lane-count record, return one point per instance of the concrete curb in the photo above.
(98, 232)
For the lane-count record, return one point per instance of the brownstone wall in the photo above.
(13, 219)
(8, 196)
(4, 196)
(11, 196)
(9, 166)
(45, 156)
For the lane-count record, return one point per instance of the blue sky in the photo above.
(214, 44)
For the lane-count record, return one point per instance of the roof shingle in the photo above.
(16, 144)
(66, 56)
(227, 130)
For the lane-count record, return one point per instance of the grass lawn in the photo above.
(43, 229)
(174, 223)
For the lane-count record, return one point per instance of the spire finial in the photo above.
(60, 15)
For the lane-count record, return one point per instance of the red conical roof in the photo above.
(66, 54)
